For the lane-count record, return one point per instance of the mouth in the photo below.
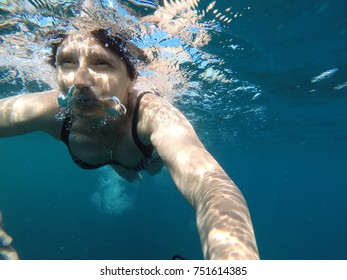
(85, 96)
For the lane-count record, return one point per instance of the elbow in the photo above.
(213, 180)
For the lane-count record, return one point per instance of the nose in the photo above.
(82, 78)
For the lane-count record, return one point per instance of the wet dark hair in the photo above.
(116, 43)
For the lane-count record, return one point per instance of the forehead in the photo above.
(83, 45)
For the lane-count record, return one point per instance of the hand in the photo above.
(7, 252)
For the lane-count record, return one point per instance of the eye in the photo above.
(67, 63)
(102, 64)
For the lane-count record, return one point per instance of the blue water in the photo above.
(283, 140)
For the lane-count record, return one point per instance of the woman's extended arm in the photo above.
(223, 218)
(26, 113)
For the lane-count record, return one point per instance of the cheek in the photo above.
(114, 83)
(65, 80)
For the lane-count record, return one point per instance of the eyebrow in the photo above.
(105, 54)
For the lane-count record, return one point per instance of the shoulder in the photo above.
(38, 100)
(39, 109)
(29, 112)
(49, 122)
(156, 114)
(163, 125)
(155, 110)
(39, 105)
(31, 105)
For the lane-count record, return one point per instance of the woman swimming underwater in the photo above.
(104, 120)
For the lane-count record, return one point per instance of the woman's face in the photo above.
(96, 72)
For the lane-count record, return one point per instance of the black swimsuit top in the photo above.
(147, 150)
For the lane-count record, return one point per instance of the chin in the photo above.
(88, 112)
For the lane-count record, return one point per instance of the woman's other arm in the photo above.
(26, 113)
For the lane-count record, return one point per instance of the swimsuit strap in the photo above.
(147, 150)
(65, 131)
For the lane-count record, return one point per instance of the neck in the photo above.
(106, 132)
